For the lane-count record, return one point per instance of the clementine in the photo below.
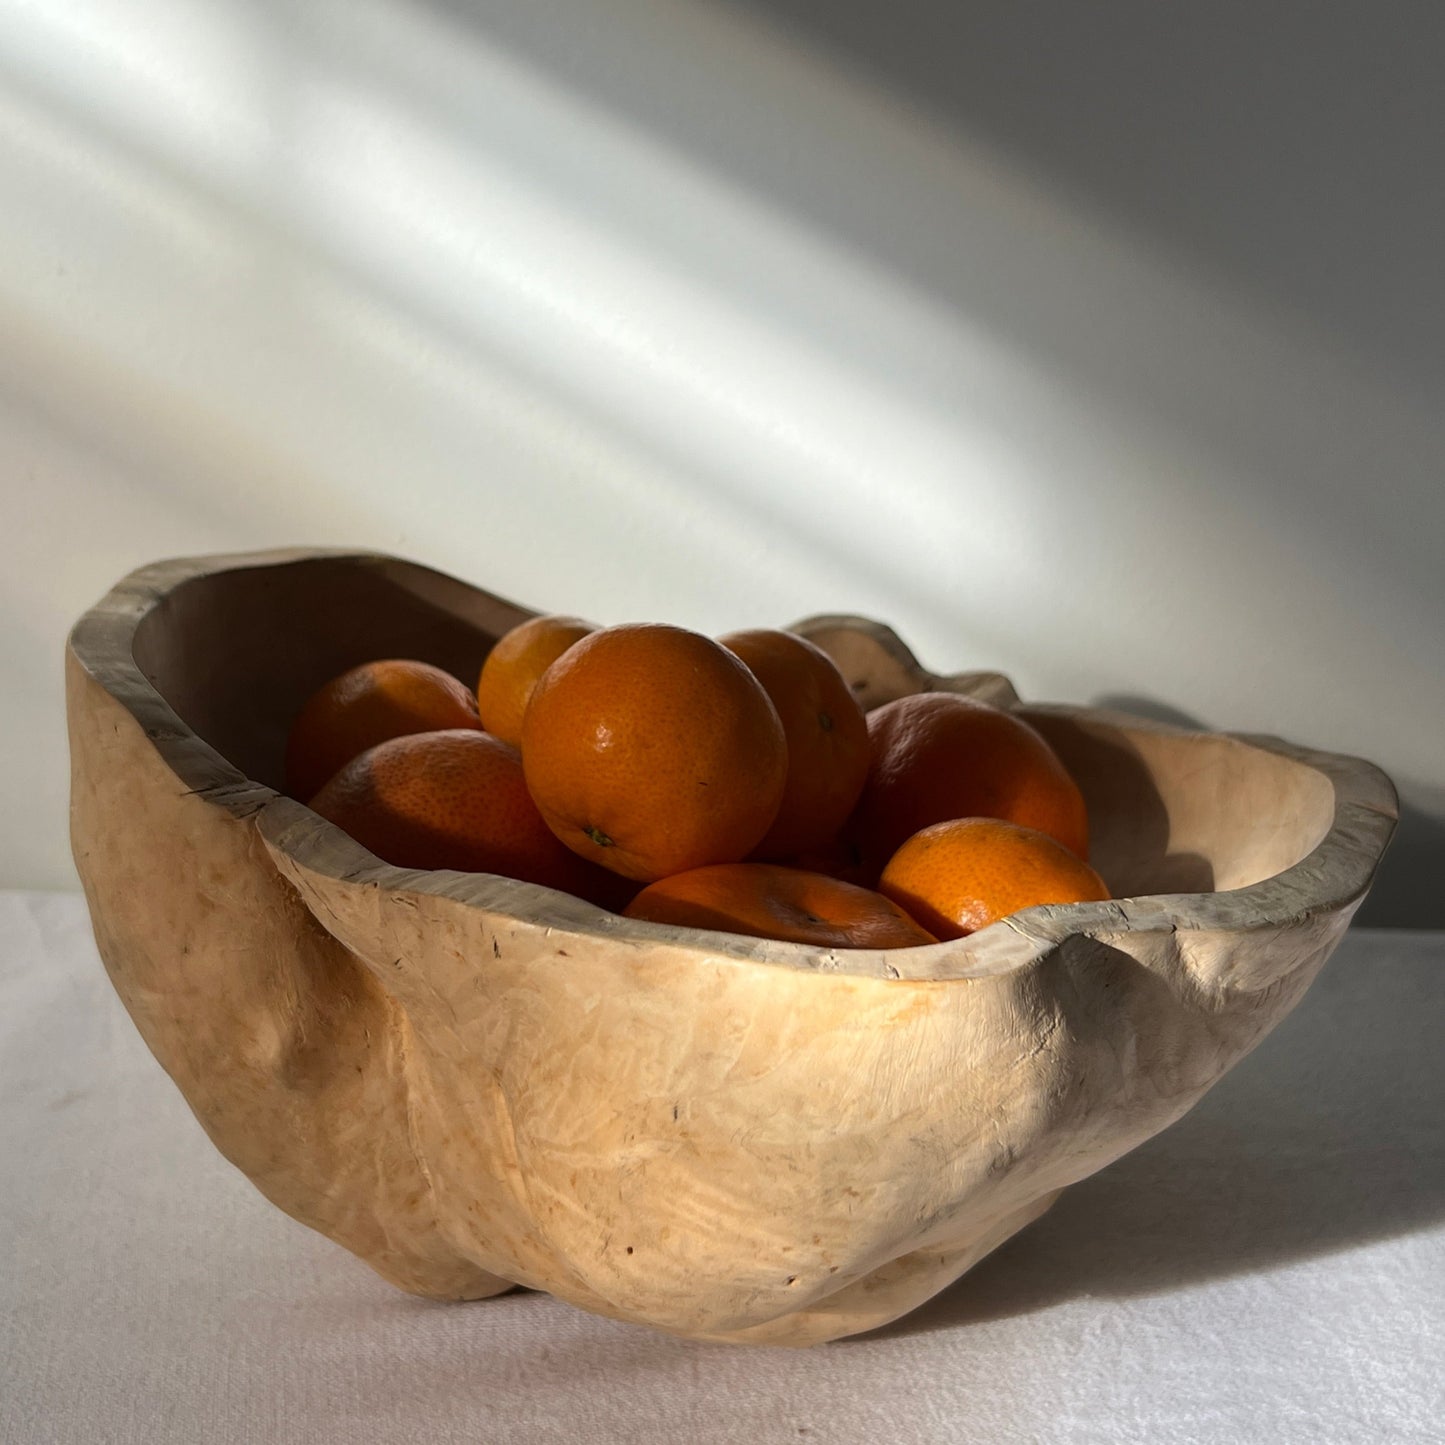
(827, 737)
(513, 666)
(959, 876)
(763, 900)
(651, 749)
(366, 706)
(937, 755)
(456, 799)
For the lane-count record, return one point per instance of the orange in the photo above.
(827, 736)
(763, 900)
(651, 750)
(960, 876)
(936, 756)
(366, 706)
(456, 799)
(513, 666)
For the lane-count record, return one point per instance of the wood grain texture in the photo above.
(473, 1083)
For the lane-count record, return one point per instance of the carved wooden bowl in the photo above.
(473, 1082)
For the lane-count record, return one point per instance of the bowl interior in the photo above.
(235, 653)
(1172, 811)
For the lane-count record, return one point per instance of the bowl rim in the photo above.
(1329, 880)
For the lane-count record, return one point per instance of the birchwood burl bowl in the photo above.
(473, 1083)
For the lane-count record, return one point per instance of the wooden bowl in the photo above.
(473, 1083)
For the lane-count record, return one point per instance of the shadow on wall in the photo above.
(1273, 179)
(1146, 320)
(1408, 891)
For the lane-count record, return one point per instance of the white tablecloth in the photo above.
(1270, 1269)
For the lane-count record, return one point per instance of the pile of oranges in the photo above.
(731, 784)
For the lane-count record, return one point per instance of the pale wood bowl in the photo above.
(473, 1083)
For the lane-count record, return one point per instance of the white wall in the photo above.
(678, 311)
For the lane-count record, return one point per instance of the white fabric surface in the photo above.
(1272, 1269)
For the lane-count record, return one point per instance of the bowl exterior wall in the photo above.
(472, 1083)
